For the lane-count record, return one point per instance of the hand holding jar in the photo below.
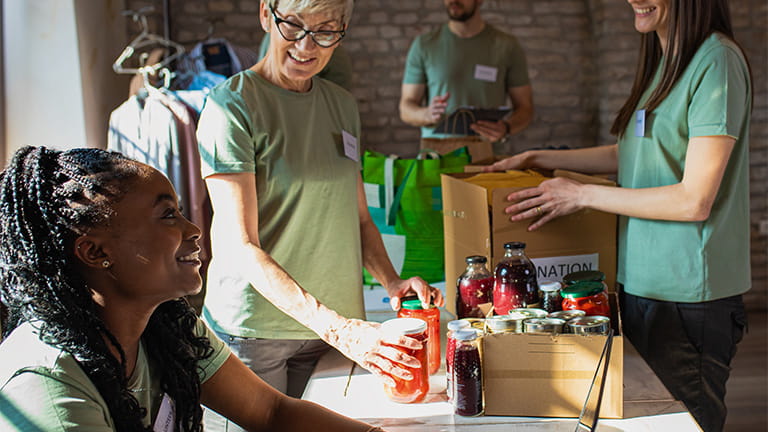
(382, 353)
(400, 389)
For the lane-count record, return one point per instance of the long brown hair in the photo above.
(690, 23)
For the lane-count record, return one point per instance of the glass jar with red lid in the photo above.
(588, 296)
(412, 308)
(413, 390)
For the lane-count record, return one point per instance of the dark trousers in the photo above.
(689, 346)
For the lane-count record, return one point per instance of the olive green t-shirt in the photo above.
(306, 192)
(690, 261)
(477, 71)
(43, 389)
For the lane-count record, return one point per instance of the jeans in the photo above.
(689, 346)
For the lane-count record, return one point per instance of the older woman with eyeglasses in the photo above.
(291, 230)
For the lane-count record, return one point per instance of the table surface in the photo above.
(340, 385)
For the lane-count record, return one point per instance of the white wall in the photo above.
(59, 85)
(44, 97)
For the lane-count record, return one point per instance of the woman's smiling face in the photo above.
(651, 15)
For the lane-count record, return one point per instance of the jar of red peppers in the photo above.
(474, 287)
(412, 308)
(414, 390)
(588, 296)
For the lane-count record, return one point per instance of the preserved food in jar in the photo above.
(411, 308)
(550, 296)
(515, 283)
(453, 326)
(474, 287)
(414, 390)
(589, 297)
(467, 375)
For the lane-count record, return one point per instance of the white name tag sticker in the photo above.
(350, 146)
(486, 73)
(640, 123)
(166, 416)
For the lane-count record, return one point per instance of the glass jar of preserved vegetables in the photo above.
(588, 296)
(414, 390)
(474, 287)
(411, 308)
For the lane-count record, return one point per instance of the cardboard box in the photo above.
(540, 375)
(475, 224)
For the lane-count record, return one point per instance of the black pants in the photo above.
(689, 346)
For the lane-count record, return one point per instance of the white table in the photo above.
(354, 392)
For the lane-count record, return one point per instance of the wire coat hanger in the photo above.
(144, 39)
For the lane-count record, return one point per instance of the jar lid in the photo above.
(403, 326)
(458, 325)
(582, 289)
(550, 286)
(583, 276)
(476, 259)
(465, 335)
(412, 304)
(514, 245)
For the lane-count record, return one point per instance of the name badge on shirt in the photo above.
(350, 146)
(640, 123)
(486, 73)
(166, 416)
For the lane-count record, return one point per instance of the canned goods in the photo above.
(544, 325)
(595, 324)
(504, 324)
(567, 314)
(475, 323)
(531, 312)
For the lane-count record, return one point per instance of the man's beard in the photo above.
(463, 16)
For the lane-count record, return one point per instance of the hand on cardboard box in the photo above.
(404, 287)
(551, 199)
(516, 162)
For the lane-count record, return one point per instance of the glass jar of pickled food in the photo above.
(411, 308)
(415, 389)
(588, 296)
(549, 292)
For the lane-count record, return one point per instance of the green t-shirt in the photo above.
(690, 261)
(477, 71)
(307, 198)
(339, 67)
(43, 389)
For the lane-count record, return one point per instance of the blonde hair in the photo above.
(332, 7)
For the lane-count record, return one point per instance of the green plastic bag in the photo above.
(405, 202)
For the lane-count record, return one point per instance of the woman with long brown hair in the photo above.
(682, 164)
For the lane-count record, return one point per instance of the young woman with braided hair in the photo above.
(95, 258)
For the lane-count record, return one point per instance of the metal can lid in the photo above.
(500, 323)
(476, 259)
(550, 286)
(582, 289)
(465, 335)
(530, 312)
(583, 276)
(458, 325)
(403, 326)
(567, 314)
(589, 321)
(514, 245)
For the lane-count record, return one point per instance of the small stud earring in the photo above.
(106, 263)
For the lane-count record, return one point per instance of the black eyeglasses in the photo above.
(294, 32)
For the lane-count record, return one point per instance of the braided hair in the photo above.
(47, 199)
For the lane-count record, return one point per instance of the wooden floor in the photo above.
(747, 397)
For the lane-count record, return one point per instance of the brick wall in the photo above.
(581, 53)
